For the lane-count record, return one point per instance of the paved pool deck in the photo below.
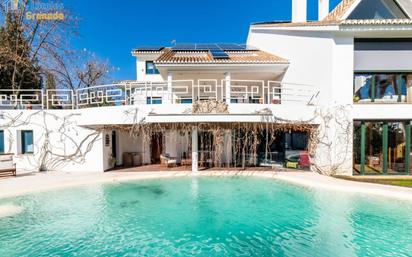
(36, 182)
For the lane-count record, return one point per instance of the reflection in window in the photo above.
(396, 147)
(153, 100)
(381, 87)
(151, 68)
(381, 148)
(377, 9)
(1, 141)
(374, 153)
(357, 141)
(27, 142)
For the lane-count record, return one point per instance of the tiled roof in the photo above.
(235, 57)
(337, 14)
(378, 22)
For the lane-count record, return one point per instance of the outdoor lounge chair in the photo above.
(7, 166)
(168, 161)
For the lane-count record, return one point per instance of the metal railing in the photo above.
(173, 92)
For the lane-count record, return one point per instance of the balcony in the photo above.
(172, 92)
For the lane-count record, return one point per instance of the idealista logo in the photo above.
(37, 10)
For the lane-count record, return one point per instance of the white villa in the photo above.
(332, 96)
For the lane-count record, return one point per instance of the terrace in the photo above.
(175, 92)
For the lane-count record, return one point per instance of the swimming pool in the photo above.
(205, 216)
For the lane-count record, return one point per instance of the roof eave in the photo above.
(306, 27)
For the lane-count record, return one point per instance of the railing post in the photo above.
(169, 87)
(228, 87)
(151, 91)
(195, 150)
(73, 99)
(76, 98)
(42, 96)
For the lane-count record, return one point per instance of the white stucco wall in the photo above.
(141, 68)
(59, 143)
(383, 61)
(310, 55)
(323, 59)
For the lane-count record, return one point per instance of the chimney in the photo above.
(323, 10)
(299, 10)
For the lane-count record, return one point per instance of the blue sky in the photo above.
(112, 29)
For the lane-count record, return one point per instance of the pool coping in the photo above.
(38, 182)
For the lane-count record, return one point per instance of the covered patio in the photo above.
(199, 146)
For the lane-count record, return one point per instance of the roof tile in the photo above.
(235, 57)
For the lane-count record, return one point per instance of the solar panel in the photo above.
(149, 48)
(212, 46)
(231, 47)
(219, 54)
(217, 50)
(180, 47)
(207, 47)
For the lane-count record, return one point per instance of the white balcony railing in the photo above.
(175, 92)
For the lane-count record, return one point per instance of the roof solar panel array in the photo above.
(219, 54)
(210, 47)
(149, 48)
(217, 50)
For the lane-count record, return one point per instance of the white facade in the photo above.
(312, 83)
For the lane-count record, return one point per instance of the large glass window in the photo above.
(377, 9)
(151, 68)
(27, 142)
(1, 141)
(373, 148)
(396, 147)
(383, 88)
(153, 100)
(357, 144)
(381, 148)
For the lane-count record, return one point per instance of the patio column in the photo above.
(227, 86)
(195, 151)
(169, 97)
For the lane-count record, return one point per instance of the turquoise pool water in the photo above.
(233, 216)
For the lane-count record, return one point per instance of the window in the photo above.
(383, 44)
(151, 68)
(107, 140)
(381, 87)
(1, 141)
(186, 101)
(299, 141)
(154, 100)
(381, 147)
(27, 142)
(377, 9)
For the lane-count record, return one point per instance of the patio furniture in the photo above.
(7, 166)
(127, 159)
(186, 162)
(304, 160)
(168, 161)
(373, 161)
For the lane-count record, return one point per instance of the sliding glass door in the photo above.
(374, 148)
(381, 148)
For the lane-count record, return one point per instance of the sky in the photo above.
(111, 29)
